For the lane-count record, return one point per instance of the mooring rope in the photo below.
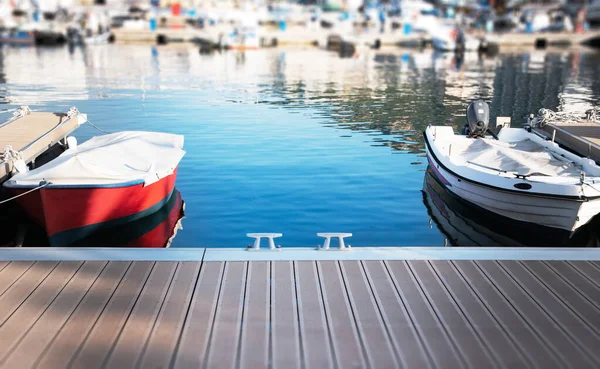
(545, 116)
(99, 129)
(25, 193)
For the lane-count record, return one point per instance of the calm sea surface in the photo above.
(297, 140)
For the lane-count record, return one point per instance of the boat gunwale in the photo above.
(500, 189)
(51, 185)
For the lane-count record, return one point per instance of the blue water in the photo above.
(296, 141)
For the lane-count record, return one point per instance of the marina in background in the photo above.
(362, 130)
(445, 25)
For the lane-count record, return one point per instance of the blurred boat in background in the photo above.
(17, 36)
(242, 38)
(451, 37)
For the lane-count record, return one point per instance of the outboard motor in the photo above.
(478, 119)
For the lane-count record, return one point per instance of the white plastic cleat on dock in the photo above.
(258, 236)
(340, 237)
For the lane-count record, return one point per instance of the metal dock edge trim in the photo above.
(298, 253)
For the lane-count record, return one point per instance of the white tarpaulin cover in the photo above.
(522, 157)
(110, 159)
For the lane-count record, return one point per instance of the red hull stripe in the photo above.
(160, 235)
(17, 41)
(66, 238)
(60, 209)
(151, 231)
(71, 208)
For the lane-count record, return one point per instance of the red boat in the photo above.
(105, 182)
(155, 230)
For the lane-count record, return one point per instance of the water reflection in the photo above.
(155, 230)
(394, 93)
(296, 140)
(464, 224)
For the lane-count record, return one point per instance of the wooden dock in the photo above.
(300, 308)
(305, 36)
(580, 137)
(544, 39)
(33, 133)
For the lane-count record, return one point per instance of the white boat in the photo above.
(460, 224)
(517, 174)
(243, 38)
(77, 37)
(465, 224)
(98, 39)
(451, 38)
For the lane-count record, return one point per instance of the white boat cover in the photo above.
(109, 160)
(522, 157)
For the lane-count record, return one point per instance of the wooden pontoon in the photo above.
(33, 133)
(580, 137)
(300, 308)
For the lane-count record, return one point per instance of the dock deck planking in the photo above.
(11, 273)
(99, 342)
(285, 339)
(437, 340)
(23, 319)
(547, 327)
(316, 341)
(570, 297)
(303, 314)
(376, 340)
(66, 343)
(578, 281)
(225, 336)
(131, 341)
(163, 340)
(405, 338)
(588, 270)
(459, 326)
(26, 350)
(499, 342)
(347, 344)
(531, 344)
(198, 326)
(23, 287)
(579, 333)
(256, 326)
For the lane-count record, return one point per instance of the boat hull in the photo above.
(465, 224)
(549, 211)
(21, 38)
(70, 213)
(153, 231)
(100, 39)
